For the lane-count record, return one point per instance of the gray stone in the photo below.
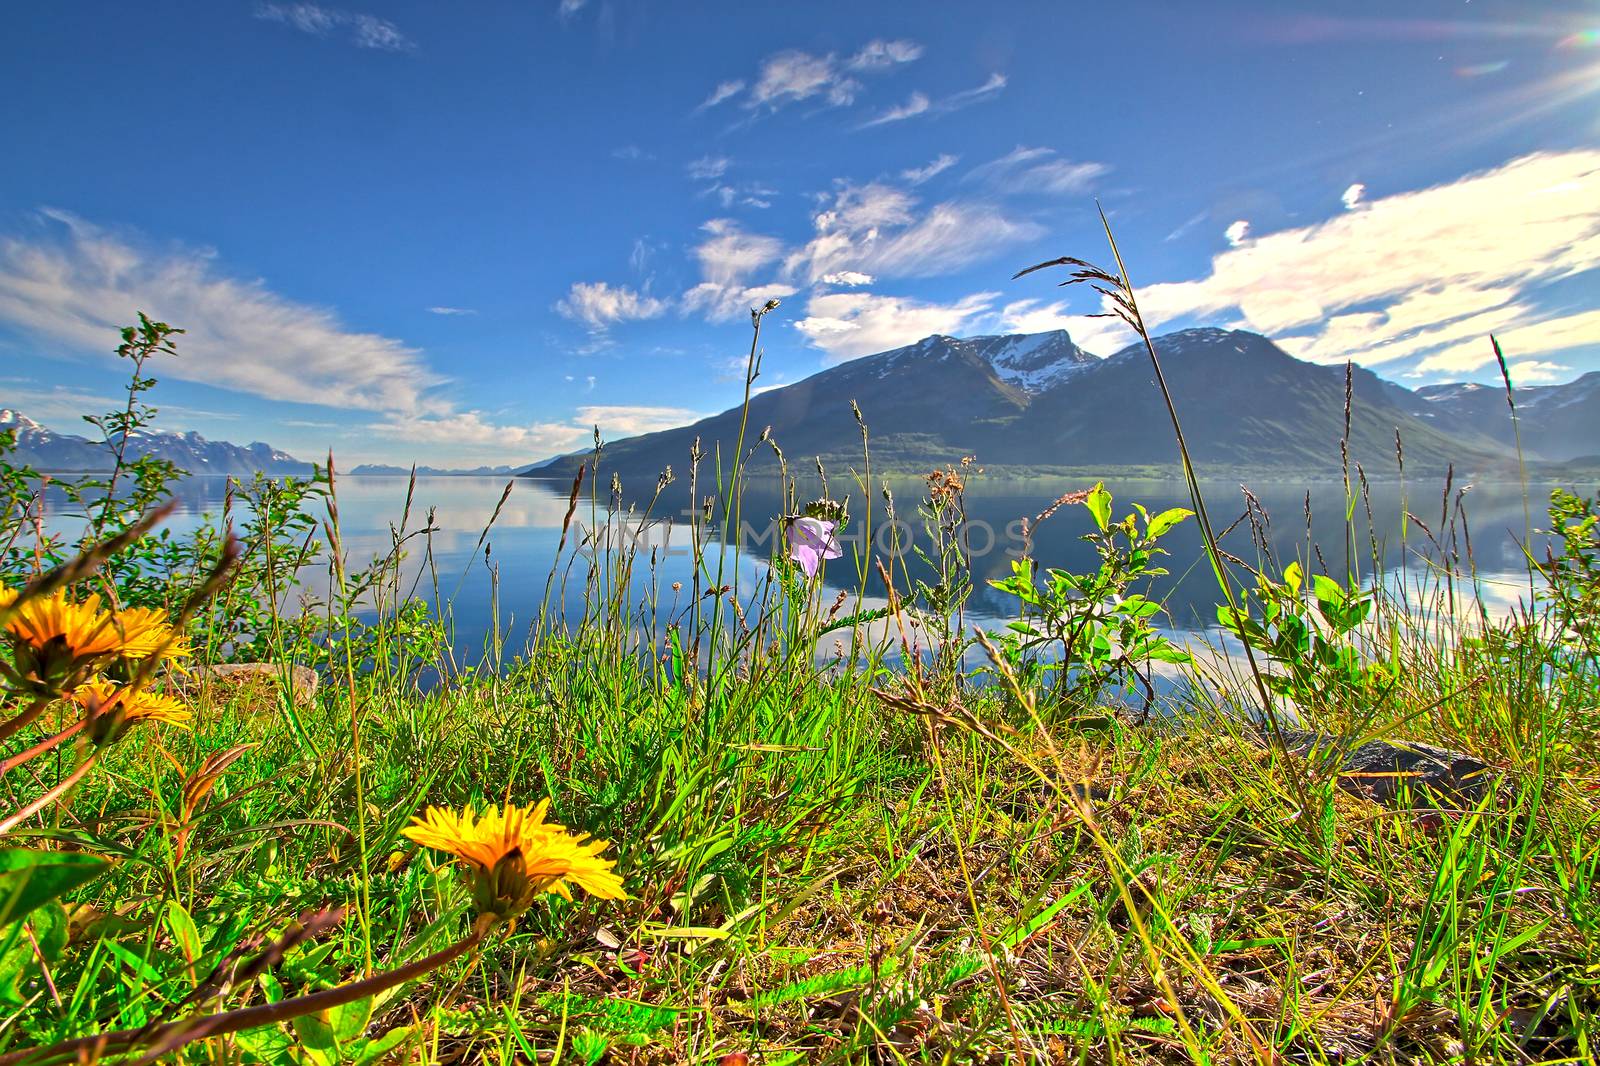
(1383, 769)
(261, 678)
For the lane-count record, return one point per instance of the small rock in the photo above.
(261, 678)
(1382, 769)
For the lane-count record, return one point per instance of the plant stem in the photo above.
(165, 1039)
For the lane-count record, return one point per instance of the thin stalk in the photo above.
(168, 1038)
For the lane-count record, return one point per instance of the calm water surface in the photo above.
(514, 560)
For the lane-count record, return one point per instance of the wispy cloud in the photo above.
(1039, 171)
(361, 30)
(917, 104)
(1187, 225)
(725, 90)
(478, 434)
(920, 103)
(1537, 372)
(623, 420)
(630, 153)
(880, 229)
(881, 55)
(707, 168)
(848, 325)
(792, 76)
(600, 305)
(1420, 275)
(847, 278)
(451, 311)
(918, 175)
(73, 284)
(729, 259)
(78, 283)
(991, 87)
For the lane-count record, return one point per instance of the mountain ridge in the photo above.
(39, 446)
(1039, 401)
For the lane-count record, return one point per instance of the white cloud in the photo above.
(599, 305)
(1534, 335)
(876, 229)
(1351, 197)
(473, 433)
(621, 420)
(847, 325)
(364, 31)
(630, 153)
(879, 55)
(725, 90)
(1092, 333)
(1538, 372)
(847, 278)
(707, 168)
(1237, 232)
(788, 77)
(917, 104)
(451, 311)
(1037, 170)
(792, 76)
(990, 87)
(731, 301)
(920, 104)
(728, 258)
(1416, 274)
(568, 8)
(79, 284)
(918, 175)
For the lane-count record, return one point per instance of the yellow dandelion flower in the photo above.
(145, 630)
(52, 636)
(514, 855)
(116, 708)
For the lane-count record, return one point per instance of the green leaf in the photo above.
(1099, 505)
(19, 957)
(30, 878)
(375, 1050)
(1329, 592)
(1166, 520)
(328, 1030)
(1293, 577)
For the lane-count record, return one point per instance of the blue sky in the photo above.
(463, 233)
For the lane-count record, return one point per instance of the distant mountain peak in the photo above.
(40, 447)
(1032, 362)
(11, 418)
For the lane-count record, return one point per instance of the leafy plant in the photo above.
(1090, 630)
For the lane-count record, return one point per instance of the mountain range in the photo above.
(45, 449)
(1032, 403)
(1557, 422)
(1039, 401)
(386, 470)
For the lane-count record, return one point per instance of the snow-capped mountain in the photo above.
(1558, 422)
(1038, 400)
(43, 448)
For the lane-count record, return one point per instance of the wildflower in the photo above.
(54, 639)
(112, 709)
(145, 631)
(813, 535)
(513, 856)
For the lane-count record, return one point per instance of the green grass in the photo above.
(867, 857)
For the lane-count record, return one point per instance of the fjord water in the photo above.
(501, 579)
